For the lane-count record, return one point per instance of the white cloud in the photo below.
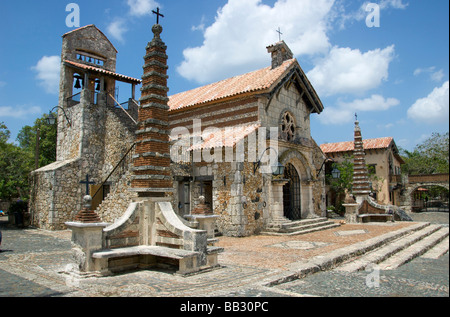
(2, 83)
(19, 112)
(432, 109)
(201, 26)
(396, 4)
(434, 75)
(117, 28)
(374, 103)
(142, 7)
(137, 8)
(236, 41)
(48, 72)
(345, 70)
(344, 112)
(437, 76)
(342, 17)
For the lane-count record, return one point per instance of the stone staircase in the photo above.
(388, 251)
(285, 227)
(429, 241)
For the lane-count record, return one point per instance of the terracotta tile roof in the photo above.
(228, 137)
(104, 71)
(369, 144)
(256, 81)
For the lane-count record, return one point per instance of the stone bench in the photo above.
(375, 217)
(143, 257)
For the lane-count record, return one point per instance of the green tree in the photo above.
(429, 157)
(47, 140)
(17, 161)
(345, 181)
(14, 167)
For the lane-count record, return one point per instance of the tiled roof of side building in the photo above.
(369, 144)
(256, 81)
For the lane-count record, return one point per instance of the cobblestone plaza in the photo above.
(37, 263)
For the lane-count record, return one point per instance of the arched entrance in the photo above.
(429, 198)
(291, 194)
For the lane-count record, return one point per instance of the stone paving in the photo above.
(37, 263)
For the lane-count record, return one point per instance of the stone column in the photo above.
(152, 174)
(276, 203)
(87, 236)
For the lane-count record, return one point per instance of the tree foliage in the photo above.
(345, 181)
(17, 161)
(429, 157)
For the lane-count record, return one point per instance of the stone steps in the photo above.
(439, 250)
(415, 250)
(340, 257)
(400, 251)
(292, 228)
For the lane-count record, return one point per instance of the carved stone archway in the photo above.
(303, 169)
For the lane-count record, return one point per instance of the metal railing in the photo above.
(121, 168)
(120, 106)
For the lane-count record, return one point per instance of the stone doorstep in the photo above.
(301, 227)
(332, 259)
(304, 222)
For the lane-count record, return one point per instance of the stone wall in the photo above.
(56, 194)
(117, 202)
(288, 99)
(241, 200)
(106, 135)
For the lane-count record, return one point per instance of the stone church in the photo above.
(243, 144)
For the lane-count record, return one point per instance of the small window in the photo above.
(90, 59)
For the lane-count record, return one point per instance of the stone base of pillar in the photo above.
(351, 213)
(206, 223)
(87, 238)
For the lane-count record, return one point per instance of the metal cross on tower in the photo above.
(87, 182)
(279, 33)
(157, 15)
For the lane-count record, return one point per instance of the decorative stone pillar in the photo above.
(351, 209)
(152, 174)
(205, 218)
(87, 236)
(361, 187)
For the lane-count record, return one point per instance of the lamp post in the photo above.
(51, 120)
(336, 173)
(277, 170)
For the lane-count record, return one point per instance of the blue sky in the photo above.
(395, 76)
